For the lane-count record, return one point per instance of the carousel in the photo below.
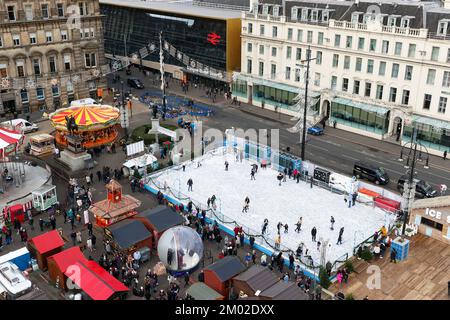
(94, 125)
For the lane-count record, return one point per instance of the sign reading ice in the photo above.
(436, 214)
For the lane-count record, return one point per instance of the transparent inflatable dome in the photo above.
(180, 249)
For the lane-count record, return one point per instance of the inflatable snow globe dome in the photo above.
(180, 249)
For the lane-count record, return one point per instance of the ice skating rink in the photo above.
(285, 203)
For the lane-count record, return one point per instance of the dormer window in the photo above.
(314, 15)
(276, 11)
(265, 9)
(366, 18)
(325, 16)
(404, 23)
(304, 14)
(392, 21)
(442, 28)
(355, 17)
(294, 13)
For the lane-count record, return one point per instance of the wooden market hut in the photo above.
(44, 246)
(200, 291)
(58, 264)
(219, 274)
(129, 235)
(256, 278)
(284, 291)
(158, 220)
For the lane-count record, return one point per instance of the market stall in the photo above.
(42, 145)
(256, 279)
(200, 291)
(219, 274)
(44, 197)
(128, 235)
(58, 264)
(10, 141)
(141, 164)
(284, 291)
(44, 246)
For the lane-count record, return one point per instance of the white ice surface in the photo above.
(285, 203)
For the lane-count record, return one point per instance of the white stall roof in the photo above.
(12, 255)
(142, 161)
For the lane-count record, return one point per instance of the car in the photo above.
(363, 170)
(315, 131)
(423, 188)
(135, 83)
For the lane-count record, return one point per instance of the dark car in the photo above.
(315, 131)
(135, 83)
(363, 170)
(423, 188)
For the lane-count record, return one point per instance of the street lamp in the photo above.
(414, 152)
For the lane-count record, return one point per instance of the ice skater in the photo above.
(208, 202)
(252, 174)
(285, 173)
(299, 250)
(264, 227)
(318, 245)
(279, 225)
(354, 196)
(190, 183)
(255, 167)
(286, 228)
(279, 178)
(341, 232)
(313, 234)
(246, 205)
(213, 199)
(298, 225)
(226, 165)
(332, 221)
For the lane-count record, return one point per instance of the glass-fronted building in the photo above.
(432, 133)
(208, 36)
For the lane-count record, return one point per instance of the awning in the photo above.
(363, 106)
(432, 122)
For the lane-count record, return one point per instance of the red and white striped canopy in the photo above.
(9, 141)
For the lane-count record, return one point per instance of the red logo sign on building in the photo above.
(213, 38)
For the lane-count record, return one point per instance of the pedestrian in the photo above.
(226, 165)
(72, 222)
(242, 239)
(286, 228)
(73, 235)
(254, 256)
(190, 183)
(339, 278)
(285, 173)
(279, 178)
(41, 224)
(298, 225)
(312, 181)
(264, 260)
(89, 244)
(89, 227)
(30, 219)
(277, 241)
(252, 241)
(186, 279)
(247, 259)
(313, 234)
(99, 175)
(79, 239)
(445, 155)
(291, 260)
(94, 240)
(354, 196)
(341, 232)
(88, 180)
(394, 255)
(264, 227)
(332, 221)
(252, 174)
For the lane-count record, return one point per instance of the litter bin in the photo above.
(145, 254)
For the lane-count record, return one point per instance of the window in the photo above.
(320, 38)
(36, 66)
(86, 33)
(427, 101)
(11, 13)
(67, 62)
(319, 57)
(446, 79)
(297, 75)
(69, 87)
(337, 40)
(442, 104)
(393, 95)
(32, 38)
(83, 8)
(28, 12)
(309, 37)
(262, 29)
(44, 10)
(395, 68)
(288, 52)
(1, 42)
(40, 93)
(299, 35)
(325, 16)
(273, 71)
(249, 66)
(347, 62)
(448, 56)
(373, 45)
(385, 47)
(274, 32)
(60, 9)
(358, 66)
(412, 50)
(52, 64)
(290, 32)
(288, 73)
(55, 91)
(3, 72)
(261, 49)
(294, 13)
(16, 40)
(370, 66)
(317, 79)
(345, 84)
(433, 224)
(435, 54)
(48, 36)
(368, 89)
(249, 47)
(90, 60)
(24, 96)
(314, 15)
(250, 28)
(333, 82)
(404, 23)
(392, 21)
(20, 68)
(261, 69)
(335, 60)
(408, 72)
(304, 14)
(405, 97)
(298, 54)
(274, 52)
(356, 85)
(442, 28)
(355, 17)
(361, 43)
(63, 35)
(398, 48)
(349, 42)
(379, 93)
(91, 30)
(382, 69)
(431, 76)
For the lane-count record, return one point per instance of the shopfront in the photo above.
(432, 133)
(432, 215)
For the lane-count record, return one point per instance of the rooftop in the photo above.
(162, 218)
(47, 241)
(227, 268)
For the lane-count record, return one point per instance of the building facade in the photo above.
(51, 53)
(378, 68)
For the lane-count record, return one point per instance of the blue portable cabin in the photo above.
(21, 258)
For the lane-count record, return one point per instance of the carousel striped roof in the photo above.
(9, 140)
(86, 115)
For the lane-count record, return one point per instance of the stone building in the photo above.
(51, 52)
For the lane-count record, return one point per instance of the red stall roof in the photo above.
(47, 241)
(68, 257)
(98, 284)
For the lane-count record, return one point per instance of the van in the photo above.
(423, 188)
(20, 124)
(363, 170)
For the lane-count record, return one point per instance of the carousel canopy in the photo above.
(87, 117)
(9, 141)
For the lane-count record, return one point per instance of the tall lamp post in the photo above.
(124, 110)
(163, 83)
(414, 152)
(307, 60)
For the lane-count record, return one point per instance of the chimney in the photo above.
(446, 4)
